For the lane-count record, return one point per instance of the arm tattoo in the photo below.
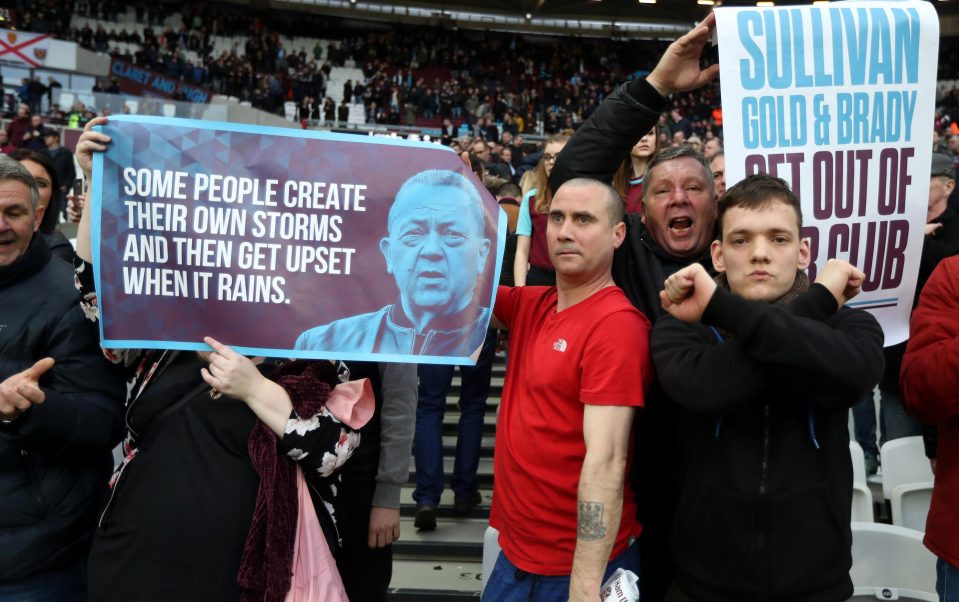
(590, 525)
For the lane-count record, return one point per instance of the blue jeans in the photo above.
(509, 584)
(65, 584)
(864, 425)
(894, 420)
(947, 581)
(435, 382)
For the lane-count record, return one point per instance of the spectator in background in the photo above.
(930, 391)
(62, 164)
(19, 126)
(33, 137)
(5, 147)
(628, 180)
(532, 263)
(717, 165)
(712, 146)
(36, 91)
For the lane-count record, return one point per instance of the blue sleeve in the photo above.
(524, 227)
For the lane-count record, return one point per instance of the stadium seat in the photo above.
(907, 481)
(289, 110)
(169, 110)
(861, 495)
(490, 552)
(132, 105)
(890, 563)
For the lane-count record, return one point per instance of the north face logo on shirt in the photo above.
(559, 345)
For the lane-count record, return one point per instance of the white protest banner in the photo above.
(838, 100)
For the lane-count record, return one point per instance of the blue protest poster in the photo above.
(291, 243)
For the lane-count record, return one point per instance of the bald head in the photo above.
(613, 203)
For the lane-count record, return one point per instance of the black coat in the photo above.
(55, 459)
(764, 509)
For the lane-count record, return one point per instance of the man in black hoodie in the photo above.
(766, 367)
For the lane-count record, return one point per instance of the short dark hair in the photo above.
(757, 192)
(678, 152)
(509, 189)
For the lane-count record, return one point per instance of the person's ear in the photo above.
(38, 217)
(619, 234)
(804, 254)
(485, 246)
(950, 185)
(385, 250)
(716, 251)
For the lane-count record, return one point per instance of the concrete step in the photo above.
(451, 420)
(445, 509)
(486, 447)
(484, 474)
(492, 403)
(453, 538)
(430, 580)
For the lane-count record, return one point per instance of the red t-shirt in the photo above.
(595, 352)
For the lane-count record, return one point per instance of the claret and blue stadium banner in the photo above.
(291, 243)
(838, 100)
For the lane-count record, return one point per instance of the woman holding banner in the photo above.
(204, 505)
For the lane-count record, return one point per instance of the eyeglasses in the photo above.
(548, 158)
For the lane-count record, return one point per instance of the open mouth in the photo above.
(680, 225)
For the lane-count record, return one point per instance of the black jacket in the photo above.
(54, 459)
(764, 512)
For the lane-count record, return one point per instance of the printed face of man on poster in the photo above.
(435, 247)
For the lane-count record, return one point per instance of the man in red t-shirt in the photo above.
(578, 368)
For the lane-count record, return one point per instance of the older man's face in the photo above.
(680, 206)
(18, 220)
(435, 249)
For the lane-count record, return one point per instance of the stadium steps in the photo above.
(445, 565)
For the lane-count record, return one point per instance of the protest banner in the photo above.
(838, 100)
(291, 243)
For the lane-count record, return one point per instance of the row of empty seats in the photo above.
(907, 482)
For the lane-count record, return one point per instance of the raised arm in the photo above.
(606, 431)
(90, 142)
(604, 140)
